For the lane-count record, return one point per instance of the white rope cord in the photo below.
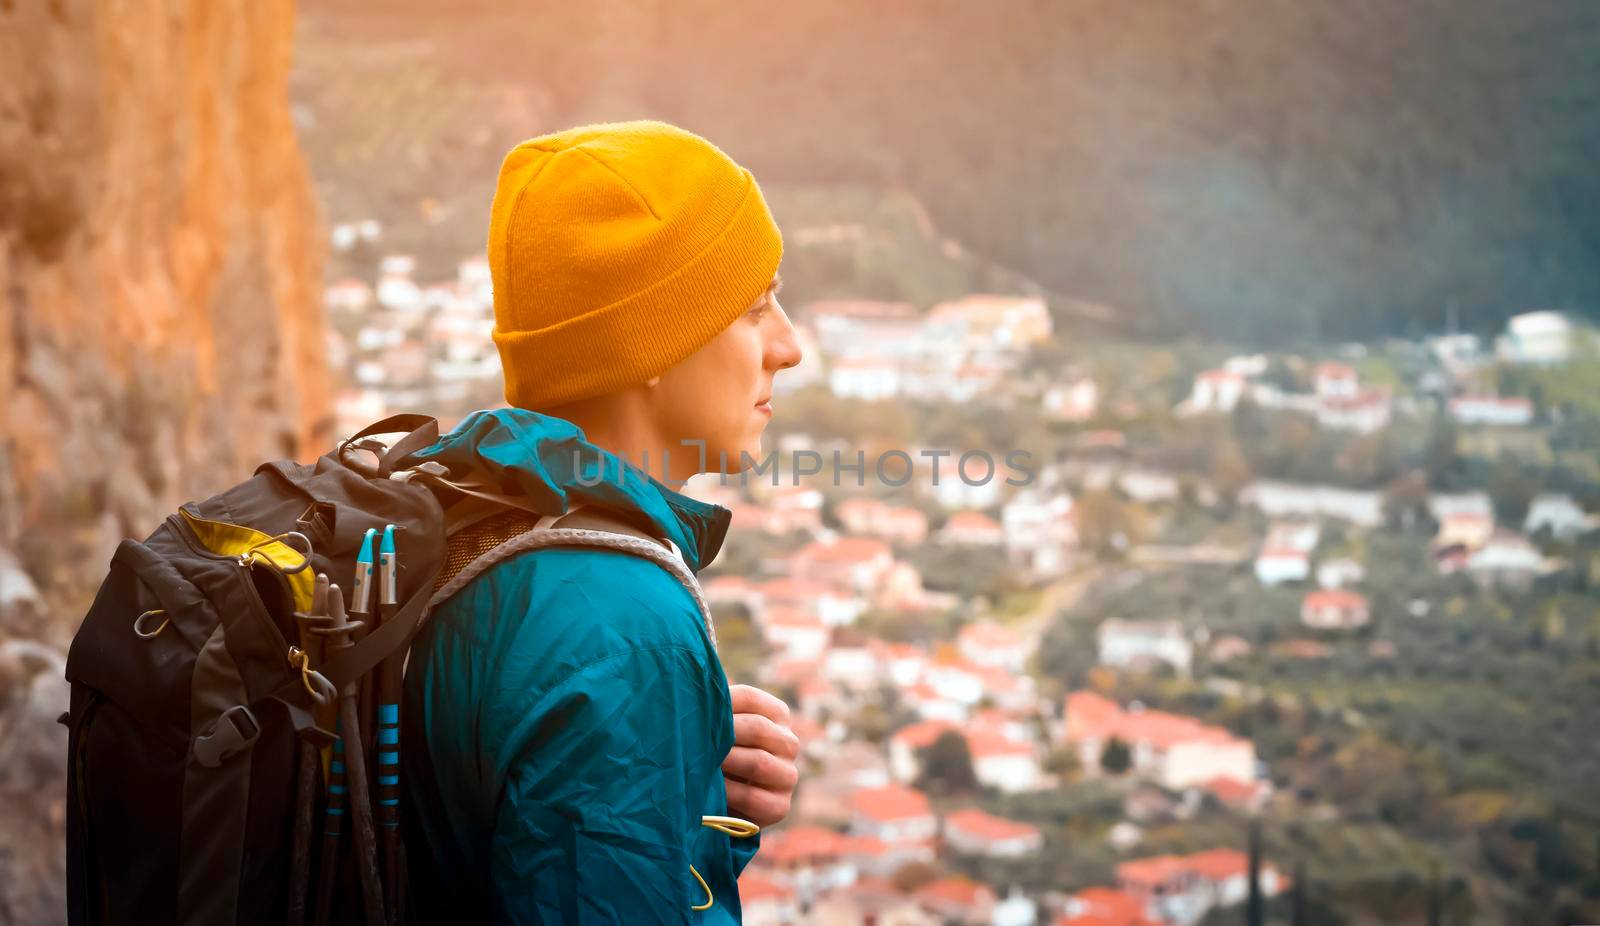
(540, 536)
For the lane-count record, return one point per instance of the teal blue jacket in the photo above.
(566, 712)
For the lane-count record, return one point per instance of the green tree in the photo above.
(947, 765)
(1116, 757)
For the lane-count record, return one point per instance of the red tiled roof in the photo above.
(1335, 598)
(892, 802)
(1232, 790)
(988, 744)
(922, 735)
(846, 550)
(962, 891)
(1218, 864)
(802, 843)
(755, 886)
(989, 635)
(971, 520)
(979, 825)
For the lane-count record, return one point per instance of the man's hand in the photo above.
(760, 769)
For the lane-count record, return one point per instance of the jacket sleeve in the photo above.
(606, 773)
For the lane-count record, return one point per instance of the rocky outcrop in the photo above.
(160, 326)
(160, 270)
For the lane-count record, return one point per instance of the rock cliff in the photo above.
(160, 324)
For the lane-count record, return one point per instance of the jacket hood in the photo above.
(549, 460)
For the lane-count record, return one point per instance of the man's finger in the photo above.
(748, 699)
(758, 732)
(761, 768)
(759, 806)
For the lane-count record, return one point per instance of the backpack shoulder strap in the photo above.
(583, 526)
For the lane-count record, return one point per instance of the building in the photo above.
(1508, 559)
(1280, 565)
(1333, 380)
(1469, 529)
(987, 643)
(974, 832)
(1075, 400)
(1183, 889)
(1340, 572)
(1125, 643)
(1365, 412)
(794, 633)
(1541, 338)
(907, 743)
(1174, 751)
(1560, 514)
(1104, 906)
(957, 900)
(766, 901)
(1284, 499)
(877, 518)
(1003, 763)
(1040, 530)
(1334, 609)
(1214, 391)
(1511, 411)
(971, 529)
(853, 563)
(869, 379)
(898, 816)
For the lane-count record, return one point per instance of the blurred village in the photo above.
(1044, 703)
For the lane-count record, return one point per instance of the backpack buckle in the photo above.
(234, 732)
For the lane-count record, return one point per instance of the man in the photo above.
(569, 725)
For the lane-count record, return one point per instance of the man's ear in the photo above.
(652, 381)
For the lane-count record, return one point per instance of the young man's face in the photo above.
(720, 393)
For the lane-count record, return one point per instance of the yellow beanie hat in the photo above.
(617, 250)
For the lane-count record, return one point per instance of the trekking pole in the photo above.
(337, 803)
(310, 754)
(348, 748)
(389, 733)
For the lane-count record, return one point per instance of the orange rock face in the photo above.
(161, 325)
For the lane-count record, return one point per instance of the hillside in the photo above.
(1267, 172)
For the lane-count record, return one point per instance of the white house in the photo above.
(1561, 514)
(987, 643)
(1137, 643)
(1334, 609)
(1541, 338)
(867, 378)
(896, 814)
(1506, 559)
(1040, 530)
(1281, 499)
(906, 744)
(1076, 399)
(971, 529)
(977, 833)
(1278, 565)
(766, 901)
(1214, 391)
(1509, 411)
(1175, 751)
(1003, 763)
(796, 634)
(1333, 380)
(1340, 572)
(878, 518)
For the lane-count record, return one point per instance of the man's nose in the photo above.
(783, 350)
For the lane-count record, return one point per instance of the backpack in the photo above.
(234, 729)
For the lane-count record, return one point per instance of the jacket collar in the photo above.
(549, 460)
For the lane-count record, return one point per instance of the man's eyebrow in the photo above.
(777, 283)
